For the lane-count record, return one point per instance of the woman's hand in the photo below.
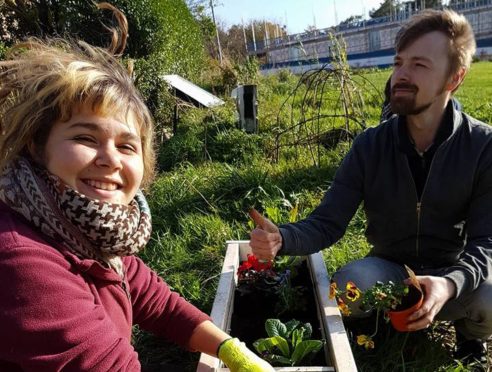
(238, 358)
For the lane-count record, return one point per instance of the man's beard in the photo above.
(408, 105)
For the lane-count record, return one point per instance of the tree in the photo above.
(163, 36)
(233, 43)
(151, 23)
(310, 29)
(22, 18)
(392, 7)
(236, 39)
(200, 9)
(386, 8)
(354, 20)
(264, 30)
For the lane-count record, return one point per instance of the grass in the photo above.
(201, 197)
(476, 92)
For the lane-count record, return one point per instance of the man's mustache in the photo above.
(405, 86)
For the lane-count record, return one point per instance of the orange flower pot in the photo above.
(412, 302)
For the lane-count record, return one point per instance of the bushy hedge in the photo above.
(185, 146)
(211, 135)
(164, 38)
(235, 146)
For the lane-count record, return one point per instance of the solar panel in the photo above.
(193, 91)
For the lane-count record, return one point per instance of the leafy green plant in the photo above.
(384, 296)
(291, 263)
(291, 298)
(287, 344)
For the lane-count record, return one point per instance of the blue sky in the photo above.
(296, 14)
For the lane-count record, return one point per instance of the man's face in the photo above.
(420, 74)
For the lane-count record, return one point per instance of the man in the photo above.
(425, 180)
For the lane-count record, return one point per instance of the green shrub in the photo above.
(185, 146)
(210, 135)
(234, 146)
(176, 47)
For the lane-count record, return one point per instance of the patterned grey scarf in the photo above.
(88, 227)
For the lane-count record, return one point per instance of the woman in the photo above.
(75, 150)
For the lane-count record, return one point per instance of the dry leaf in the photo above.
(413, 278)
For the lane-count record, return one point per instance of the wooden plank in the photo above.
(293, 369)
(222, 309)
(225, 291)
(244, 248)
(340, 351)
(312, 266)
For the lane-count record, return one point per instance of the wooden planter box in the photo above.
(337, 349)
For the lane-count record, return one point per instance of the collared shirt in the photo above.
(420, 163)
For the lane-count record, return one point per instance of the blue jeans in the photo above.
(470, 312)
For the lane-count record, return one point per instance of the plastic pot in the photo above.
(411, 302)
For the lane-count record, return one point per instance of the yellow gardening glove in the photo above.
(238, 358)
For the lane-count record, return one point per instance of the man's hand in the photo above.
(266, 240)
(437, 291)
(238, 358)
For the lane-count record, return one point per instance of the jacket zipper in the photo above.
(125, 289)
(419, 201)
(419, 206)
(124, 285)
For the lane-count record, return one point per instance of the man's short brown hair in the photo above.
(455, 26)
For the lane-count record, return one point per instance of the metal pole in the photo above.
(244, 35)
(253, 32)
(267, 37)
(216, 31)
(335, 12)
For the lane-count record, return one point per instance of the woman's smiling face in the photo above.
(98, 156)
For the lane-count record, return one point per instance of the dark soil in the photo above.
(252, 310)
(410, 299)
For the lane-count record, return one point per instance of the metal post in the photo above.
(267, 37)
(216, 31)
(335, 12)
(244, 35)
(253, 32)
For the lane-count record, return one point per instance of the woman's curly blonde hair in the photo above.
(44, 81)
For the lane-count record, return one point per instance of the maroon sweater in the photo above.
(60, 312)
